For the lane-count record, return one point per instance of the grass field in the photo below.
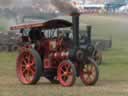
(113, 80)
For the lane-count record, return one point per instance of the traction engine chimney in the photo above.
(75, 28)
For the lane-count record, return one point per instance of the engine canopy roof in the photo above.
(50, 24)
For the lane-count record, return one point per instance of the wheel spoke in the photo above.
(88, 68)
(28, 73)
(85, 74)
(93, 74)
(24, 61)
(28, 76)
(91, 67)
(68, 67)
(62, 70)
(85, 69)
(85, 66)
(32, 70)
(62, 75)
(70, 73)
(32, 62)
(64, 78)
(28, 59)
(24, 70)
(89, 79)
(92, 77)
(23, 65)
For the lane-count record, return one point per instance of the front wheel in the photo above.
(89, 72)
(66, 73)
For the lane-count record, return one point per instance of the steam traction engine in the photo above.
(57, 58)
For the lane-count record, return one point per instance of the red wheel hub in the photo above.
(28, 66)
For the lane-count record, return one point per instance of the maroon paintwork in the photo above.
(54, 54)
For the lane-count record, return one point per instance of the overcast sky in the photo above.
(5, 3)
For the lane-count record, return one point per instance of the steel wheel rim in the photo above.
(26, 68)
(65, 74)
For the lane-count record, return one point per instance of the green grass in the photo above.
(113, 80)
(2, 28)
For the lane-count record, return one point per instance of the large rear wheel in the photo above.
(29, 66)
(66, 73)
(89, 72)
